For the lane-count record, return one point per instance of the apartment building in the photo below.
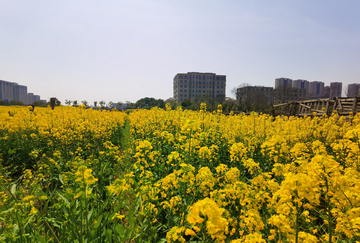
(335, 90)
(316, 89)
(12, 91)
(283, 82)
(196, 85)
(353, 90)
(301, 84)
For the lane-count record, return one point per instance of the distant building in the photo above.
(20, 93)
(301, 84)
(254, 94)
(12, 91)
(30, 98)
(335, 90)
(316, 89)
(7, 90)
(283, 82)
(36, 98)
(353, 90)
(195, 85)
(284, 95)
(326, 91)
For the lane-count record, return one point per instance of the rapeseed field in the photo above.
(81, 175)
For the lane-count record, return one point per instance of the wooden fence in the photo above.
(343, 106)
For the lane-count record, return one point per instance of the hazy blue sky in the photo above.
(117, 50)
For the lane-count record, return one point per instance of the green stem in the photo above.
(296, 220)
(328, 209)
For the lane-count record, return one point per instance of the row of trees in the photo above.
(36, 103)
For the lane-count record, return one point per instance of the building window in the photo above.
(180, 86)
(180, 90)
(185, 86)
(185, 81)
(217, 86)
(180, 81)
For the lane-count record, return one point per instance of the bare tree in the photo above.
(234, 90)
(85, 103)
(68, 102)
(102, 103)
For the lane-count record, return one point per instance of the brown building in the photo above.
(255, 94)
(195, 85)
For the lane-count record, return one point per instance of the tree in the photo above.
(110, 104)
(102, 103)
(148, 103)
(40, 103)
(234, 90)
(119, 105)
(95, 104)
(85, 103)
(186, 104)
(68, 102)
(75, 103)
(16, 102)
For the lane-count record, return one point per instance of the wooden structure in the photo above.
(343, 106)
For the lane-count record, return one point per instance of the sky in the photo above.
(125, 50)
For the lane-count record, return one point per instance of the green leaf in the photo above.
(108, 235)
(61, 179)
(65, 200)
(89, 214)
(7, 211)
(120, 229)
(40, 239)
(32, 216)
(13, 189)
(15, 229)
(98, 222)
